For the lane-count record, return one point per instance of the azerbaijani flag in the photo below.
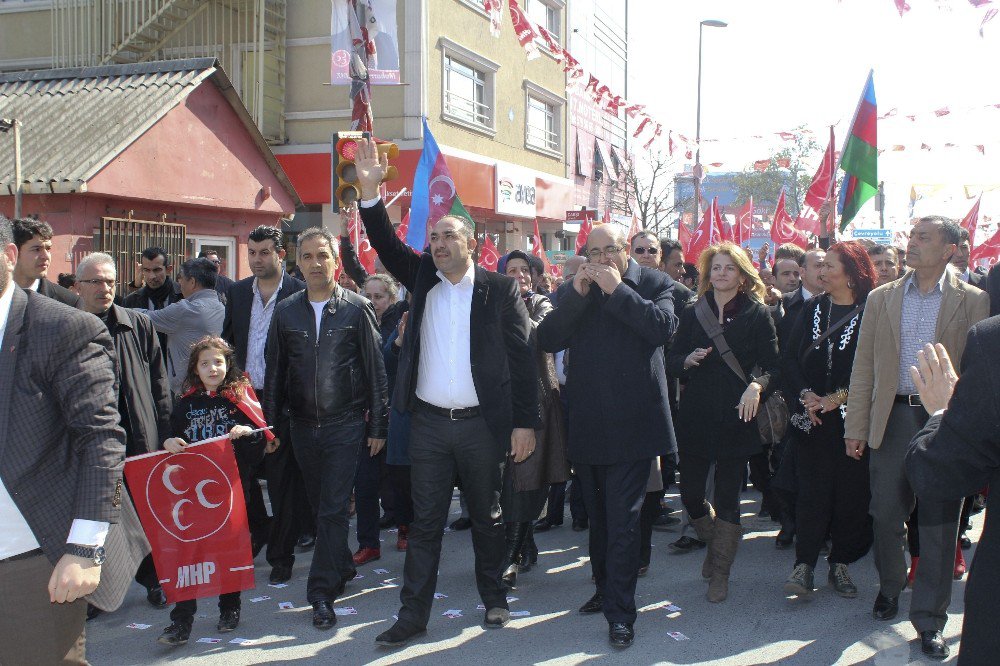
(434, 194)
(859, 158)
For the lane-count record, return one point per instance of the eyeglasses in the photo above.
(645, 250)
(96, 281)
(217, 262)
(596, 253)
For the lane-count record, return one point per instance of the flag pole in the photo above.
(832, 232)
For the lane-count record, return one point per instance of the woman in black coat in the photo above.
(833, 488)
(716, 421)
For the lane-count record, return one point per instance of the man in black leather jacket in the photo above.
(324, 364)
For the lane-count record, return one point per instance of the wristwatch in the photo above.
(88, 552)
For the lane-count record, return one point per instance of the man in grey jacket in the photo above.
(185, 322)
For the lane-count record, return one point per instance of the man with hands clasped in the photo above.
(467, 377)
(614, 318)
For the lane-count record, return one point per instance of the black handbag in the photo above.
(772, 416)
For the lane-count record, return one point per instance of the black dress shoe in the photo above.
(594, 605)
(886, 608)
(461, 524)
(784, 540)
(544, 525)
(305, 543)
(932, 644)
(665, 522)
(399, 634)
(580, 524)
(229, 619)
(620, 635)
(323, 615)
(156, 597)
(686, 544)
(280, 574)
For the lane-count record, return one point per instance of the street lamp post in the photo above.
(698, 172)
(13, 125)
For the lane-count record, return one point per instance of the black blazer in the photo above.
(503, 363)
(958, 454)
(616, 386)
(236, 326)
(992, 286)
(61, 294)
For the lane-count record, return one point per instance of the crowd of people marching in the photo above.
(821, 375)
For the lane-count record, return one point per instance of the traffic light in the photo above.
(346, 189)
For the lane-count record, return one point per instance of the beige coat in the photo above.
(875, 375)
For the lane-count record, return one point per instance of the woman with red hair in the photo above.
(833, 488)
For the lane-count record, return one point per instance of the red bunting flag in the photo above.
(551, 43)
(193, 512)
(902, 7)
(523, 30)
(633, 110)
(656, 135)
(494, 9)
(642, 126)
(489, 256)
(782, 229)
(671, 146)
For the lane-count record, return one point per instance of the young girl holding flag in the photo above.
(218, 401)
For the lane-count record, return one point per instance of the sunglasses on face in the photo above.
(645, 250)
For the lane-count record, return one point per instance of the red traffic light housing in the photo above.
(346, 189)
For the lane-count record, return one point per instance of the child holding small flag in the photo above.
(218, 401)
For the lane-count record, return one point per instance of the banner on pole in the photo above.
(192, 510)
(377, 21)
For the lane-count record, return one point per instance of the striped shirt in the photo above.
(260, 324)
(917, 326)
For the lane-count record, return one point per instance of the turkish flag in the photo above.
(701, 239)
(193, 511)
(489, 256)
(403, 227)
(724, 230)
(744, 223)
(988, 251)
(581, 238)
(818, 193)
(782, 229)
(537, 248)
(366, 253)
(971, 221)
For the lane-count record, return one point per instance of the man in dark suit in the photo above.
(467, 375)
(34, 254)
(956, 454)
(960, 260)
(614, 319)
(222, 282)
(249, 310)
(60, 474)
(144, 401)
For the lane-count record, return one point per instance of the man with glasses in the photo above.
(614, 318)
(222, 283)
(144, 395)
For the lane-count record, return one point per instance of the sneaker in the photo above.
(365, 555)
(686, 544)
(403, 538)
(841, 581)
(800, 583)
(229, 619)
(177, 633)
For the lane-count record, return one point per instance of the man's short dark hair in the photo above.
(66, 280)
(6, 232)
(205, 254)
(313, 232)
(691, 271)
(878, 249)
(668, 245)
(643, 234)
(202, 271)
(790, 251)
(26, 228)
(963, 235)
(949, 228)
(535, 265)
(264, 232)
(151, 253)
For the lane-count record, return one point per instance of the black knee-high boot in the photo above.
(515, 533)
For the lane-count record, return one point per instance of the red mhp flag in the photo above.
(701, 238)
(988, 251)
(642, 126)
(971, 221)
(818, 193)
(761, 165)
(656, 134)
(494, 9)
(523, 29)
(723, 231)
(192, 510)
(782, 229)
(581, 238)
(489, 256)
(537, 248)
(744, 223)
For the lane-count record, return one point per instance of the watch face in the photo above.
(99, 555)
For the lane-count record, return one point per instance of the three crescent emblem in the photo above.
(190, 496)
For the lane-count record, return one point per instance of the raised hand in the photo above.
(371, 168)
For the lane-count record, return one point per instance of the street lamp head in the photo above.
(714, 23)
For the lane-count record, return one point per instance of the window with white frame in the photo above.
(543, 119)
(467, 87)
(546, 13)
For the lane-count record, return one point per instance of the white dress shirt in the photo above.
(17, 535)
(260, 323)
(444, 374)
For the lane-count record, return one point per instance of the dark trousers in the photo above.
(145, 575)
(328, 456)
(33, 630)
(760, 477)
(668, 470)
(614, 495)
(399, 477)
(184, 611)
(366, 496)
(913, 533)
(833, 498)
(248, 460)
(440, 447)
(650, 510)
(728, 482)
(891, 504)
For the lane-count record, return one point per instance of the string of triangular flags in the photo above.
(902, 6)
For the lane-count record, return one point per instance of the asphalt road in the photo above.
(756, 625)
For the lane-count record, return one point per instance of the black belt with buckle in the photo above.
(453, 414)
(22, 556)
(911, 399)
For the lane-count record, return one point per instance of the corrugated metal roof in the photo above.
(75, 121)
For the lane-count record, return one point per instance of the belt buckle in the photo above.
(909, 400)
(451, 413)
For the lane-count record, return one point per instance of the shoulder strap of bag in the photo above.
(818, 342)
(714, 330)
